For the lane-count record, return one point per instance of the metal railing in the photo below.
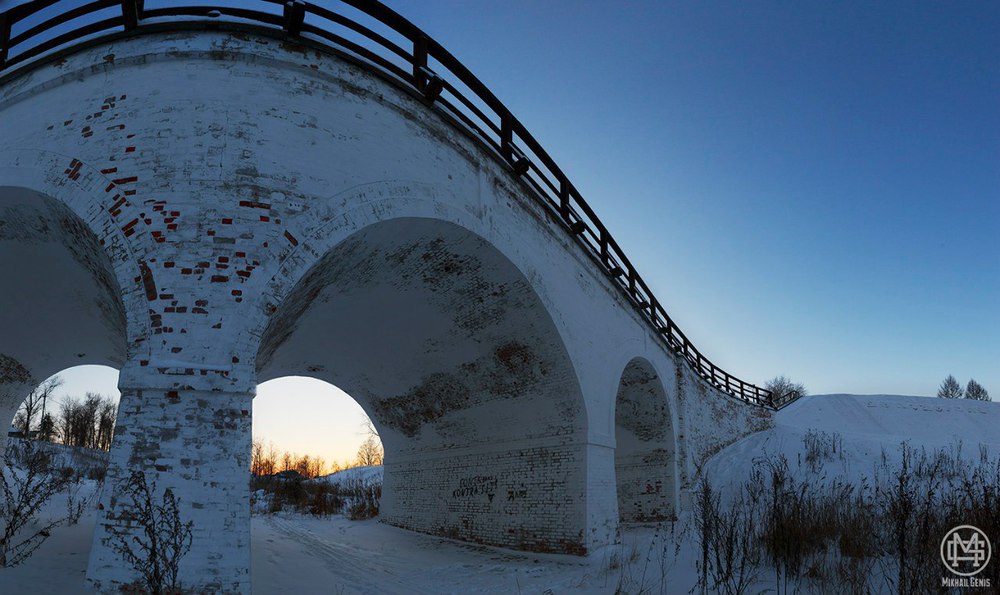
(420, 64)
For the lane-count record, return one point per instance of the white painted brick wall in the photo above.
(217, 170)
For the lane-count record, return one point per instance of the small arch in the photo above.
(645, 446)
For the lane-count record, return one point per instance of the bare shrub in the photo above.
(728, 540)
(824, 535)
(287, 491)
(154, 552)
(319, 498)
(28, 482)
(324, 499)
(76, 503)
(821, 447)
(363, 497)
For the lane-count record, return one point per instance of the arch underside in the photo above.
(448, 349)
(645, 460)
(60, 305)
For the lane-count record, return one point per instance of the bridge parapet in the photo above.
(380, 39)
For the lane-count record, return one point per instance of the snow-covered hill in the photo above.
(372, 474)
(863, 429)
(891, 418)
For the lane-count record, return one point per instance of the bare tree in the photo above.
(87, 424)
(86, 431)
(370, 452)
(34, 405)
(25, 491)
(369, 428)
(107, 415)
(303, 464)
(270, 460)
(257, 457)
(316, 467)
(783, 389)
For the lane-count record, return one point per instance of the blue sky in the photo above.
(812, 189)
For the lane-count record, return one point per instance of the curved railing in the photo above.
(402, 51)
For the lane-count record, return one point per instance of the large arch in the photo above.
(645, 451)
(60, 302)
(453, 356)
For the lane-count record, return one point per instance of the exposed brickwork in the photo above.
(644, 449)
(197, 444)
(528, 498)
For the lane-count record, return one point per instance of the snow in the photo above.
(372, 474)
(296, 553)
(923, 420)
(871, 427)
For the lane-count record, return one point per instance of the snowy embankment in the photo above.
(866, 428)
(372, 474)
(299, 553)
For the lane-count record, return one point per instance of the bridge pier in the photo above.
(196, 443)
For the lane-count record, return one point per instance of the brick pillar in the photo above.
(197, 443)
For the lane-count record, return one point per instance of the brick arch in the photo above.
(84, 201)
(645, 446)
(446, 346)
(60, 303)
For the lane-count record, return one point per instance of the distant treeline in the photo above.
(87, 422)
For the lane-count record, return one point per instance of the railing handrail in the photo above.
(509, 139)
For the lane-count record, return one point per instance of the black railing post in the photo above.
(419, 61)
(4, 38)
(294, 13)
(506, 136)
(131, 13)
(511, 153)
(424, 79)
(564, 197)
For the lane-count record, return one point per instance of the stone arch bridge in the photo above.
(207, 198)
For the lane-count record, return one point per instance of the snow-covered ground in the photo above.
(362, 474)
(294, 553)
(868, 426)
